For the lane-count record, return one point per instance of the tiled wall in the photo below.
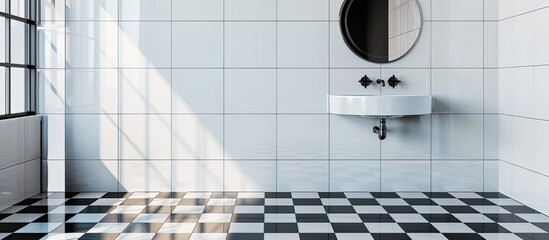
(524, 102)
(231, 95)
(20, 159)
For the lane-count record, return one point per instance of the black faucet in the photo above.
(393, 81)
(365, 81)
(381, 81)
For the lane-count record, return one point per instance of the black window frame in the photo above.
(31, 52)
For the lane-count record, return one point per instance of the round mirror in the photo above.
(381, 31)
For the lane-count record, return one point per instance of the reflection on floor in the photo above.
(281, 216)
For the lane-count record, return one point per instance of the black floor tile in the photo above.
(390, 236)
(440, 218)
(385, 195)
(250, 201)
(438, 195)
(10, 227)
(218, 209)
(278, 195)
(339, 209)
(543, 226)
(74, 228)
(307, 201)
(399, 209)
(420, 201)
(158, 209)
(116, 195)
(492, 195)
(533, 236)
(312, 218)
(332, 195)
(317, 236)
(245, 236)
(519, 209)
(98, 209)
(183, 218)
(248, 218)
(459, 209)
(54, 218)
(137, 201)
(505, 218)
(463, 236)
(487, 228)
(80, 201)
(349, 228)
(25, 236)
(170, 195)
(28, 201)
(418, 228)
(37, 209)
(279, 209)
(363, 202)
(281, 228)
(373, 218)
(477, 202)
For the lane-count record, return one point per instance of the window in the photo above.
(17, 58)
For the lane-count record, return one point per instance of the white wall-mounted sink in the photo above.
(381, 106)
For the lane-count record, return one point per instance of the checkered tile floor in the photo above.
(269, 216)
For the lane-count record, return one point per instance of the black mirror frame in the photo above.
(359, 52)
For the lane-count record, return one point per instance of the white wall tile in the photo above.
(505, 90)
(32, 177)
(491, 176)
(197, 10)
(53, 176)
(302, 44)
(505, 8)
(51, 44)
(302, 137)
(541, 193)
(302, 176)
(53, 137)
(523, 142)
(491, 91)
(145, 137)
(250, 137)
(457, 44)
(197, 176)
(145, 9)
(145, 91)
(505, 138)
(505, 178)
(458, 90)
(92, 175)
(457, 176)
(541, 152)
(341, 55)
(346, 81)
(335, 9)
(523, 186)
(491, 10)
(402, 176)
(541, 98)
(250, 9)
(414, 81)
(302, 9)
(407, 138)
(491, 136)
(92, 90)
(197, 137)
(32, 137)
(457, 10)
(91, 137)
(457, 136)
(250, 176)
(250, 91)
(51, 91)
(153, 176)
(199, 44)
(197, 90)
(13, 185)
(355, 176)
(352, 138)
(86, 10)
(540, 3)
(419, 56)
(523, 87)
(523, 33)
(522, 6)
(92, 45)
(505, 43)
(250, 44)
(52, 10)
(302, 90)
(491, 44)
(145, 44)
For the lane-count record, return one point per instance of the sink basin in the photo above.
(380, 106)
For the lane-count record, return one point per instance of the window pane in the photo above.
(3, 35)
(19, 42)
(18, 93)
(20, 8)
(2, 90)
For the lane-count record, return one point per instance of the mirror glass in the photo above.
(381, 31)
